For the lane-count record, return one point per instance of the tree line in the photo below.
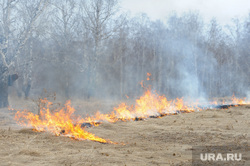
(90, 49)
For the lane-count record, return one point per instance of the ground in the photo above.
(160, 141)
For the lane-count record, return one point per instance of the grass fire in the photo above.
(149, 105)
(58, 122)
(122, 82)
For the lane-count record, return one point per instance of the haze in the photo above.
(222, 10)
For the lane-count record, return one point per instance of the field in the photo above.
(156, 141)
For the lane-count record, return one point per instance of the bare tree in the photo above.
(102, 19)
(64, 18)
(15, 34)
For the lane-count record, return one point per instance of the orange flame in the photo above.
(58, 122)
(148, 105)
(238, 101)
(64, 122)
(148, 76)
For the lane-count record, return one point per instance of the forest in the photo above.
(93, 49)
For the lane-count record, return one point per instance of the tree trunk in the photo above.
(4, 91)
(27, 91)
(29, 70)
(89, 88)
(121, 77)
(160, 73)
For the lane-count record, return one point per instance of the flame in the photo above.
(180, 105)
(214, 103)
(141, 83)
(148, 76)
(238, 101)
(64, 122)
(59, 122)
(10, 109)
(150, 104)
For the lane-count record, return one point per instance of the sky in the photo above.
(222, 10)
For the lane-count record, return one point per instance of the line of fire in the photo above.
(124, 82)
(63, 122)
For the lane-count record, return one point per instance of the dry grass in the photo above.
(164, 141)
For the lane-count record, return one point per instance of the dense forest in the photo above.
(90, 49)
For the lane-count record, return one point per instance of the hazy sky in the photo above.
(223, 10)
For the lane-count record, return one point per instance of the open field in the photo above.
(161, 141)
(124, 83)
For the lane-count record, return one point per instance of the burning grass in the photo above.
(59, 122)
(63, 122)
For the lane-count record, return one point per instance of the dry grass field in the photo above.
(158, 141)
